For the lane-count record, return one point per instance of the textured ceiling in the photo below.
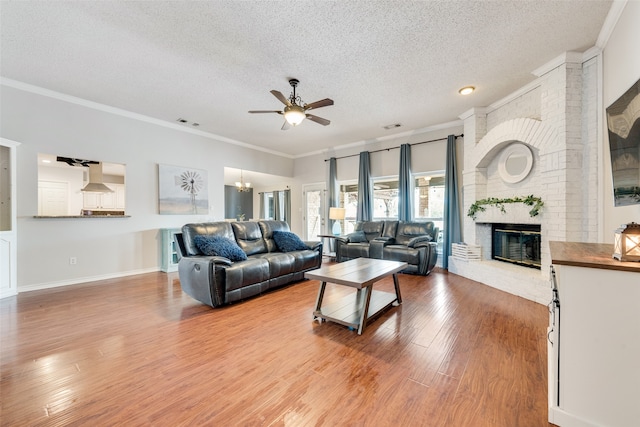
(382, 62)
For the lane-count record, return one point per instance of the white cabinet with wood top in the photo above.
(594, 335)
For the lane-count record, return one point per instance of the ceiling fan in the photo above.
(295, 110)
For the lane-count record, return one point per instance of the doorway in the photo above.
(53, 198)
(314, 210)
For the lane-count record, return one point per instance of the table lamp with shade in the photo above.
(337, 215)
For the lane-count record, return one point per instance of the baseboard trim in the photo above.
(565, 419)
(87, 279)
(6, 293)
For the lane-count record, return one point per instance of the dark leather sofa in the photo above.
(412, 242)
(215, 280)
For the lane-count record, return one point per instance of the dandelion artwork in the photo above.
(182, 191)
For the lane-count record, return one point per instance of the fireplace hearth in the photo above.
(517, 244)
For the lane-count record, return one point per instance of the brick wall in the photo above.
(527, 105)
(557, 119)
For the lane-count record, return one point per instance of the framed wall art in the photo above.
(623, 123)
(182, 191)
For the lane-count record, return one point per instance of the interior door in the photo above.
(53, 198)
(314, 211)
(8, 231)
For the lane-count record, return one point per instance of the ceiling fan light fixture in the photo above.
(467, 90)
(294, 114)
(295, 110)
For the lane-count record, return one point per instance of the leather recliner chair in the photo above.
(412, 242)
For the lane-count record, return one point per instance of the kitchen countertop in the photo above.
(590, 255)
(81, 216)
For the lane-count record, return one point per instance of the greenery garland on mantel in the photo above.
(531, 200)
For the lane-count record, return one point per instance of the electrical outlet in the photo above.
(73, 260)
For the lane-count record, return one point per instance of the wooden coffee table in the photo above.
(356, 309)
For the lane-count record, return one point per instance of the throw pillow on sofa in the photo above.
(287, 241)
(220, 246)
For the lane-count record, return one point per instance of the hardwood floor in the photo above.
(137, 351)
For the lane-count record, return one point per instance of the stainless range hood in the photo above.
(95, 184)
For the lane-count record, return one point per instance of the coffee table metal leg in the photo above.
(318, 311)
(365, 308)
(397, 286)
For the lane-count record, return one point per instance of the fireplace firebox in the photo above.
(516, 243)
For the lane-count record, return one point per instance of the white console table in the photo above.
(594, 362)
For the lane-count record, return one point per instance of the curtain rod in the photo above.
(393, 148)
(286, 189)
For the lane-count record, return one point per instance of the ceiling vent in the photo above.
(393, 126)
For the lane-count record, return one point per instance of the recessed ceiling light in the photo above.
(466, 90)
(46, 161)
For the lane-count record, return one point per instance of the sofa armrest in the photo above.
(219, 260)
(425, 243)
(419, 239)
(385, 240)
(430, 256)
(341, 243)
(314, 245)
(376, 246)
(198, 278)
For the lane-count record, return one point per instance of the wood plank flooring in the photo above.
(136, 351)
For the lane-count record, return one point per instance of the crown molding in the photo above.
(433, 128)
(564, 58)
(610, 22)
(591, 53)
(129, 114)
(475, 111)
(513, 95)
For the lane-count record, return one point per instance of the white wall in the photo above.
(114, 246)
(621, 69)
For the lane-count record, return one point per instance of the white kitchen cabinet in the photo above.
(594, 362)
(120, 196)
(92, 200)
(106, 201)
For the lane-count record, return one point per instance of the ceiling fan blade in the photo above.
(281, 97)
(322, 103)
(265, 111)
(286, 126)
(317, 119)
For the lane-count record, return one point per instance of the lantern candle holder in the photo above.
(626, 246)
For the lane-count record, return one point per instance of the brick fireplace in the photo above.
(555, 119)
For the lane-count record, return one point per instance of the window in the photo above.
(428, 200)
(268, 205)
(269, 210)
(385, 201)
